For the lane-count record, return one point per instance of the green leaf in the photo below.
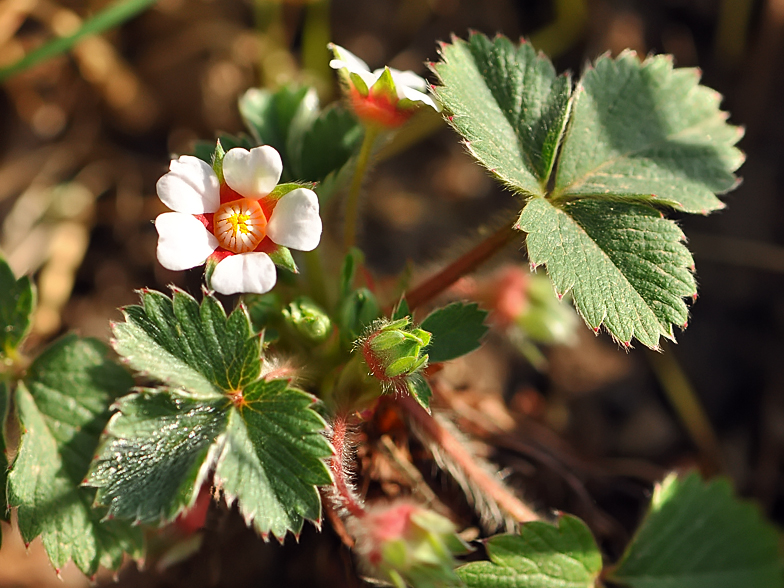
(63, 405)
(261, 439)
(626, 265)
(329, 143)
(541, 556)
(508, 104)
(348, 271)
(644, 129)
(17, 302)
(195, 348)
(154, 458)
(401, 310)
(4, 514)
(699, 535)
(456, 330)
(272, 459)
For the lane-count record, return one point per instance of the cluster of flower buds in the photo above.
(408, 545)
(394, 351)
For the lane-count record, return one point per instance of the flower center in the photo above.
(240, 225)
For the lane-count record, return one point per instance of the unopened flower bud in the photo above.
(395, 350)
(308, 320)
(408, 545)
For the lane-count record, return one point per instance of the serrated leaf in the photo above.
(62, 405)
(625, 264)
(17, 302)
(185, 345)
(541, 556)
(698, 535)
(508, 104)
(643, 129)
(272, 458)
(456, 329)
(165, 443)
(154, 457)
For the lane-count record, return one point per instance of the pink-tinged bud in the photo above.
(407, 545)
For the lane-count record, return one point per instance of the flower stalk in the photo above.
(352, 202)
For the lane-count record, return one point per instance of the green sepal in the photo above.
(282, 189)
(457, 329)
(419, 389)
(17, 303)
(282, 258)
(217, 161)
(385, 86)
(357, 81)
(205, 150)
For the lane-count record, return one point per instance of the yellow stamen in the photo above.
(240, 225)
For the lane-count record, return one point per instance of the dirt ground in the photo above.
(87, 134)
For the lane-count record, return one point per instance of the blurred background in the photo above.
(87, 133)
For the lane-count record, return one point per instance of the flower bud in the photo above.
(406, 544)
(394, 350)
(307, 320)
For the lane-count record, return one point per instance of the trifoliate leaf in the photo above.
(646, 130)
(698, 535)
(508, 104)
(272, 456)
(541, 556)
(63, 404)
(17, 302)
(217, 416)
(625, 265)
(456, 329)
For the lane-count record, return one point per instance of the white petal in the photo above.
(409, 79)
(295, 221)
(252, 173)
(345, 58)
(190, 186)
(417, 96)
(244, 272)
(183, 242)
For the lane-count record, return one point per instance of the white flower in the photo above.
(236, 224)
(407, 85)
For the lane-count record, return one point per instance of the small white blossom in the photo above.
(407, 84)
(237, 223)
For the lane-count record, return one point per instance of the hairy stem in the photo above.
(344, 493)
(450, 445)
(463, 265)
(352, 203)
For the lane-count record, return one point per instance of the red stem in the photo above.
(461, 266)
(343, 491)
(465, 461)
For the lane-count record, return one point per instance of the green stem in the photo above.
(352, 203)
